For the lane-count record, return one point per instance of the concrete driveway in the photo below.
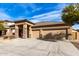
(33, 47)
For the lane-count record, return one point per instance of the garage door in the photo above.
(50, 33)
(36, 34)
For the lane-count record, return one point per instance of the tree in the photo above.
(2, 26)
(70, 14)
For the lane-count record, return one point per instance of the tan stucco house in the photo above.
(26, 29)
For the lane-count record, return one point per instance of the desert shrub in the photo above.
(59, 36)
(54, 37)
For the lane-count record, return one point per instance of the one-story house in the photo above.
(28, 29)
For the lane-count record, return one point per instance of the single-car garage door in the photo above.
(35, 33)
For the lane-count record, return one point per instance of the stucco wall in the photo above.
(77, 35)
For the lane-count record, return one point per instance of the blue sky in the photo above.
(34, 12)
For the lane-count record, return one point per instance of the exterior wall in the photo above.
(77, 35)
(25, 31)
(74, 35)
(70, 33)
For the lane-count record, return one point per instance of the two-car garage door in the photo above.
(36, 33)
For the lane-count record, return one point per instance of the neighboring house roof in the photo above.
(8, 21)
(5, 21)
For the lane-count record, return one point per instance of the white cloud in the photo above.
(36, 9)
(76, 26)
(20, 18)
(33, 6)
(34, 20)
(50, 16)
(4, 16)
(47, 14)
(62, 5)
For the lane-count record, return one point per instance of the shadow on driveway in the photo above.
(76, 44)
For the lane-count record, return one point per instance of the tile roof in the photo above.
(23, 20)
(48, 23)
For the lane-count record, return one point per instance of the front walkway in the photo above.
(33, 47)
